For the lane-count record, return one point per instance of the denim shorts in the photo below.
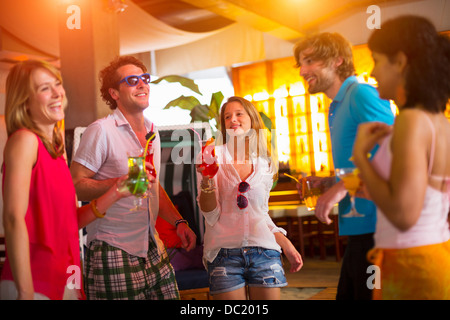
(233, 269)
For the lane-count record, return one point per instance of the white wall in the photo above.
(355, 29)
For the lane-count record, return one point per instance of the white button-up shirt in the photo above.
(229, 227)
(103, 149)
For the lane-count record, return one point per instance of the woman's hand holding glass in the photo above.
(352, 182)
(209, 164)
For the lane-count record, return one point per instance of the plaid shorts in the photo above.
(112, 273)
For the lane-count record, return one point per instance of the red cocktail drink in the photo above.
(209, 161)
(149, 158)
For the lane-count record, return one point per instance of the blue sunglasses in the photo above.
(133, 80)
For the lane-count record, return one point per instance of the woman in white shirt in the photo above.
(242, 245)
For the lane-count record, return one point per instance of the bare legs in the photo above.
(254, 293)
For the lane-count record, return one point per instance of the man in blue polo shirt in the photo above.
(326, 64)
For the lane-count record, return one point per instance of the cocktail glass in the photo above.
(310, 194)
(209, 161)
(137, 182)
(352, 184)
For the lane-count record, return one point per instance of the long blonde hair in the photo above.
(18, 91)
(260, 137)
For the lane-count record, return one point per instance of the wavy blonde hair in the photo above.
(19, 89)
(327, 46)
(260, 136)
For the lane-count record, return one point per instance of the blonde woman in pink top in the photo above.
(41, 219)
(409, 176)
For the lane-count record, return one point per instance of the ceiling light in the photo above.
(117, 6)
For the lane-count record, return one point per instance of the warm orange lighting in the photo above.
(297, 89)
(22, 57)
(260, 96)
(447, 111)
(366, 78)
(280, 93)
(282, 132)
(299, 118)
(299, 104)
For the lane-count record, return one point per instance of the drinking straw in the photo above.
(198, 135)
(199, 138)
(288, 175)
(146, 145)
(137, 182)
(145, 152)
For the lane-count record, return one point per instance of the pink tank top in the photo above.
(52, 225)
(432, 225)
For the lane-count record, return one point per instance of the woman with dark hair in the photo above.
(409, 177)
(242, 245)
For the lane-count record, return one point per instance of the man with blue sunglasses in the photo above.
(125, 258)
(133, 80)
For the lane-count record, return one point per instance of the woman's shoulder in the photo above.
(413, 126)
(23, 136)
(411, 118)
(21, 143)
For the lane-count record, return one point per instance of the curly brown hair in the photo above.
(327, 46)
(109, 78)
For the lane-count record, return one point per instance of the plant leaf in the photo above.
(185, 82)
(214, 106)
(266, 120)
(200, 113)
(183, 102)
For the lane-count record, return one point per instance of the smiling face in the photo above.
(131, 98)
(320, 75)
(46, 102)
(237, 120)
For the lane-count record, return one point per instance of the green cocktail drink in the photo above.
(137, 181)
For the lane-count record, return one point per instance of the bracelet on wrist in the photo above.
(181, 221)
(97, 213)
(209, 187)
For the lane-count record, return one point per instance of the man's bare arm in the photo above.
(86, 187)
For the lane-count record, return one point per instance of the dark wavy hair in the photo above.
(427, 78)
(327, 46)
(109, 78)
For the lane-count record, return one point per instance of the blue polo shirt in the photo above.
(355, 103)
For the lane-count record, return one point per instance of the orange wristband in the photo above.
(97, 213)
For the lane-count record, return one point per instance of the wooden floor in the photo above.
(326, 294)
(317, 273)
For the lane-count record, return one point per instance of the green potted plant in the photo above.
(199, 111)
